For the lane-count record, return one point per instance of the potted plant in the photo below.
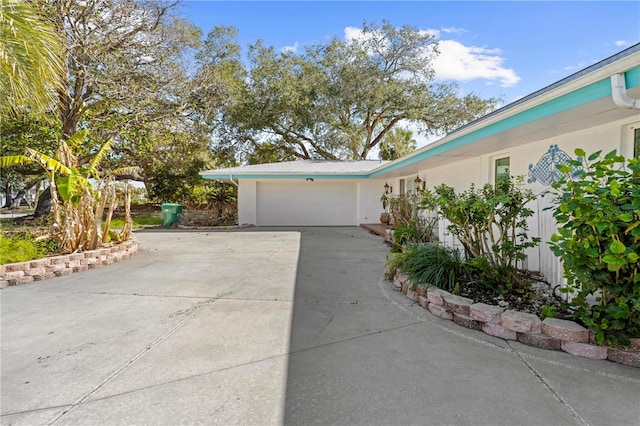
(385, 217)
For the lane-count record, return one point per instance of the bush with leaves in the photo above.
(401, 209)
(598, 241)
(416, 231)
(431, 264)
(22, 247)
(490, 223)
(80, 192)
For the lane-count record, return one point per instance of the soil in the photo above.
(533, 300)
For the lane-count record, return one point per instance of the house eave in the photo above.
(262, 176)
(550, 106)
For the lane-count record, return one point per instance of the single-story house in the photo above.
(595, 108)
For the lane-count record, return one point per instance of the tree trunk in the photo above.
(9, 198)
(43, 207)
(15, 204)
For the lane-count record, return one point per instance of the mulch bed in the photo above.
(538, 295)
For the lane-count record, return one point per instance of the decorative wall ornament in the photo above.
(546, 170)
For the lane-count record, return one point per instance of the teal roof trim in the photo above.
(632, 77)
(590, 93)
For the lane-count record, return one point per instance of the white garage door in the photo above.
(318, 203)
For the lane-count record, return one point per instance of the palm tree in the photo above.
(30, 62)
(79, 194)
(397, 143)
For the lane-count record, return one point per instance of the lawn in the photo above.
(146, 220)
(24, 240)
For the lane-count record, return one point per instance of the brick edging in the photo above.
(41, 269)
(550, 334)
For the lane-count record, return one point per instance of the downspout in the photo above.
(231, 179)
(619, 93)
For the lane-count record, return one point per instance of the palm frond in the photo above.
(30, 61)
(98, 157)
(78, 138)
(126, 171)
(70, 187)
(50, 164)
(14, 160)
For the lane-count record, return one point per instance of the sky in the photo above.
(505, 49)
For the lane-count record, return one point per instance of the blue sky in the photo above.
(507, 49)
(491, 48)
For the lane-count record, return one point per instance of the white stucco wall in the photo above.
(368, 198)
(247, 201)
(369, 205)
(616, 135)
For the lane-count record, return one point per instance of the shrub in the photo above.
(501, 279)
(598, 241)
(432, 264)
(401, 209)
(415, 231)
(490, 223)
(24, 247)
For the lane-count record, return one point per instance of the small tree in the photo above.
(490, 223)
(78, 205)
(598, 241)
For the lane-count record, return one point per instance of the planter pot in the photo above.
(385, 218)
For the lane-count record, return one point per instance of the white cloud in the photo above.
(453, 30)
(432, 33)
(459, 62)
(621, 43)
(353, 34)
(290, 49)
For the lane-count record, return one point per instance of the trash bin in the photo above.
(171, 213)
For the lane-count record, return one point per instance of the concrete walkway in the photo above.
(272, 326)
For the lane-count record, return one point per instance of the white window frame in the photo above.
(495, 166)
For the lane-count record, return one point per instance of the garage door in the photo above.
(318, 203)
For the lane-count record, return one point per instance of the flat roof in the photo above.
(326, 168)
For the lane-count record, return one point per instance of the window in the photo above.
(402, 186)
(502, 169)
(410, 186)
(636, 143)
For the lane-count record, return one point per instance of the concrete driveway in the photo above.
(273, 326)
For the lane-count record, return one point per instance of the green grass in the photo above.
(24, 247)
(143, 221)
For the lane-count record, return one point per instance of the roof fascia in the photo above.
(583, 90)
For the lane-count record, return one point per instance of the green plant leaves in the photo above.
(489, 221)
(599, 243)
(617, 247)
(70, 187)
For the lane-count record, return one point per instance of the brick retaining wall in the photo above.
(550, 334)
(40, 269)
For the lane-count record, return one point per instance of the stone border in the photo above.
(551, 334)
(41, 269)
